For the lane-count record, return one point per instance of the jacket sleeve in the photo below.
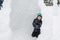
(40, 23)
(34, 24)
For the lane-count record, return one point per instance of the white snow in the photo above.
(50, 28)
(16, 19)
(5, 31)
(22, 15)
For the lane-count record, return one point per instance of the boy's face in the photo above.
(39, 17)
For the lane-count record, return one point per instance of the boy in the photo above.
(37, 24)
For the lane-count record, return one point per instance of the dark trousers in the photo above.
(36, 32)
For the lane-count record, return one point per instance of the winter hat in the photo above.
(39, 14)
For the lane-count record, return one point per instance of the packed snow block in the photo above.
(5, 30)
(47, 26)
(22, 15)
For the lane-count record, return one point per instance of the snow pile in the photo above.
(50, 27)
(5, 31)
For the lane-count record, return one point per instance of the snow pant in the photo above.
(36, 32)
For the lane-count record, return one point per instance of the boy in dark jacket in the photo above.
(37, 24)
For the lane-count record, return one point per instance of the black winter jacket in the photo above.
(37, 23)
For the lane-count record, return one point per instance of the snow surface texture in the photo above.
(50, 27)
(5, 31)
(46, 29)
(16, 19)
(22, 15)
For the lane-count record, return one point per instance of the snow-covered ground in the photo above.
(5, 30)
(22, 14)
(47, 26)
(51, 23)
(16, 19)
